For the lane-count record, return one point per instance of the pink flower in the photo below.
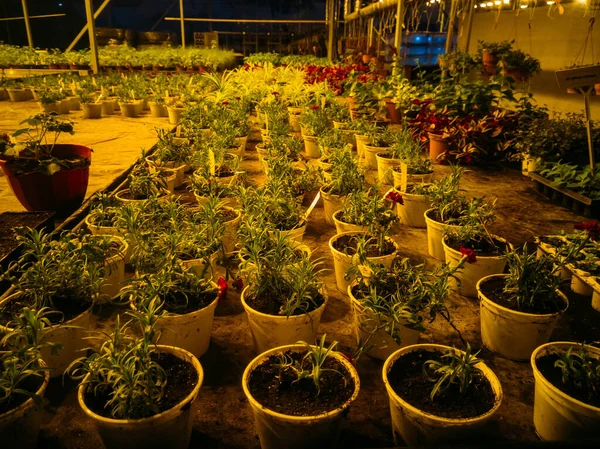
(469, 254)
(222, 283)
(395, 197)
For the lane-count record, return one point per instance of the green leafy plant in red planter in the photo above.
(42, 174)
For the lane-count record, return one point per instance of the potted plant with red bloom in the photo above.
(42, 174)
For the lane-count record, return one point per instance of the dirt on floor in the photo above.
(225, 420)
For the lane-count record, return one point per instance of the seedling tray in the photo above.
(569, 199)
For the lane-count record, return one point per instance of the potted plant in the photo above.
(175, 108)
(393, 305)
(143, 184)
(439, 393)
(412, 204)
(380, 142)
(490, 53)
(314, 123)
(49, 101)
(361, 209)
(402, 150)
(91, 109)
(205, 188)
(519, 66)
(128, 105)
(567, 386)
(24, 378)
(127, 385)
(413, 171)
(42, 174)
(519, 310)
(484, 254)
(284, 297)
(300, 371)
(346, 177)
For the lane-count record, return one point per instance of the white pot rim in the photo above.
(88, 222)
(282, 317)
(373, 148)
(485, 299)
(381, 155)
(487, 372)
(323, 416)
(374, 259)
(189, 357)
(29, 402)
(539, 377)
(484, 258)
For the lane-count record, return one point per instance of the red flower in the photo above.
(591, 227)
(395, 197)
(225, 103)
(238, 284)
(314, 108)
(275, 93)
(469, 254)
(222, 283)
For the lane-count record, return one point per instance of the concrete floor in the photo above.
(116, 142)
(225, 420)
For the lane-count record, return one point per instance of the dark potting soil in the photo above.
(493, 289)
(277, 390)
(272, 306)
(483, 248)
(67, 307)
(407, 379)
(348, 244)
(182, 304)
(22, 166)
(11, 220)
(554, 375)
(228, 215)
(30, 384)
(182, 377)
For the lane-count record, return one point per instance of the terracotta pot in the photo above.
(437, 147)
(490, 63)
(393, 113)
(514, 73)
(63, 192)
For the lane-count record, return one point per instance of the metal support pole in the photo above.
(27, 25)
(330, 5)
(283, 21)
(399, 22)
(91, 26)
(587, 92)
(451, 20)
(469, 24)
(84, 29)
(182, 20)
(44, 16)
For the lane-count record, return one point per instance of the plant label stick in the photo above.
(312, 205)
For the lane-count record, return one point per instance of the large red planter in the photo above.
(63, 192)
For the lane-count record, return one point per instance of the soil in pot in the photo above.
(278, 390)
(69, 307)
(407, 379)
(348, 244)
(545, 365)
(181, 303)
(483, 248)
(493, 289)
(182, 378)
(271, 306)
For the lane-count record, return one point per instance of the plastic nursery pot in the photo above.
(361, 141)
(92, 110)
(341, 226)
(367, 328)
(243, 144)
(48, 107)
(20, 426)
(64, 106)
(296, 234)
(437, 147)
(471, 273)
(197, 265)
(413, 427)
(371, 155)
(342, 261)
(412, 212)
(114, 270)
(528, 165)
(294, 120)
(331, 204)
(111, 230)
(270, 331)
(121, 195)
(157, 109)
(69, 334)
(578, 283)
(63, 192)
(276, 430)
(311, 147)
(556, 415)
(230, 232)
(109, 106)
(129, 109)
(385, 167)
(174, 114)
(435, 234)
(402, 178)
(75, 104)
(171, 428)
(17, 95)
(512, 334)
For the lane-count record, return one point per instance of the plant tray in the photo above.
(566, 198)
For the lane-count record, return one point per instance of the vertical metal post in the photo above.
(399, 22)
(469, 24)
(588, 124)
(330, 5)
(27, 25)
(451, 20)
(182, 20)
(91, 26)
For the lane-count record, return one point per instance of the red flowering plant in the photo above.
(472, 240)
(430, 119)
(591, 227)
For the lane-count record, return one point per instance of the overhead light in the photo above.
(475, 6)
(482, 5)
(523, 6)
(550, 3)
(506, 2)
(497, 2)
(489, 4)
(583, 2)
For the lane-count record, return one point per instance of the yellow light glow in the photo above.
(489, 4)
(523, 6)
(483, 5)
(506, 2)
(550, 3)
(583, 2)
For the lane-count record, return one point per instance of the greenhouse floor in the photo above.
(116, 142)
(224, 419)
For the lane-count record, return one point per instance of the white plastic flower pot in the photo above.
(129, 110)
(171, 428)
(242, 143)
(367, 327)
(170, 177)
(435, 234)
(311, 147)
(69, 334)
(49, 107)
(294, 120)
(342, 262)
(512, 334)
(385, 168)
(528, 165)
(17, 95)
(556, 415)
(114, 271)
(296, 234)
(412, 212)
(361, 141)
(92, 110)
(341, 226)
(230, 232)
(277, 431)
(402, 178)
(112, 230)
(471, 273)
(64, 106)
(20, 426)
(270, 331)
(371, 155)
(158, 110)
(578, 284)
(331, 204)
(75, 104)
(414, 427)
(197, 265)
(109, 106)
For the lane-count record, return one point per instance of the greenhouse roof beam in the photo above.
(27, 25)
(43, 16)
(371, 9)
(206, 19)
(84, 29)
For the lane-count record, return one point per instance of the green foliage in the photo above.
(569, 176)
(315, 122)
(347, 175)
(580, 369)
